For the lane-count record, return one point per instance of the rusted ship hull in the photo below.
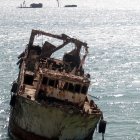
(31, 120)
(49, 98)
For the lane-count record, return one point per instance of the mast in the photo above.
(57, 2)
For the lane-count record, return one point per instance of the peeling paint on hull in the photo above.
(30, 120)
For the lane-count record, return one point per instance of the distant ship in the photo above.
(49, 97)
(36, 5)
(73, 5)
(33, 5)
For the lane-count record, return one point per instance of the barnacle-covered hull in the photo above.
(31, 120)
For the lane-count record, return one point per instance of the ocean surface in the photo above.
(113, 37)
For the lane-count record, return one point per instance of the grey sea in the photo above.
(113, 37)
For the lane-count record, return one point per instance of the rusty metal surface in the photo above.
(50, 121)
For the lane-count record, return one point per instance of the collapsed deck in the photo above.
(42, 76)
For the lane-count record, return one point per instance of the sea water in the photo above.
(113, 37)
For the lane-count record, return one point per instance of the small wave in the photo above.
(136, 102)
(138, 122)
(136, 83)
(118, 95)
(117, 103)
(1, 111)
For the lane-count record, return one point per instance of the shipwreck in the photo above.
(49, 98)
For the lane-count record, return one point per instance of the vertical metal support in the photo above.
(33, 33)
(57, 2)
(102, 136)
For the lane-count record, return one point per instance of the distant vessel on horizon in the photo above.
(73, 5)
(33, 5)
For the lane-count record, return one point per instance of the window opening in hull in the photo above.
(77, 88)
(51, 82)
(84, 89)
(28, 79)
(45, 80)
(71, 87)
(66, 86)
